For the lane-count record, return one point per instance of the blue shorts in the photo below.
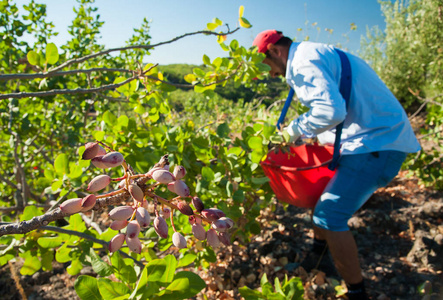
(357, 177)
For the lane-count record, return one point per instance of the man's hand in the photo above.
(292, 132)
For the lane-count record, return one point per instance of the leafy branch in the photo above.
(146, 47)
(57, 71)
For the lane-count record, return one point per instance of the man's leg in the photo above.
(357, 177)
(344, 252)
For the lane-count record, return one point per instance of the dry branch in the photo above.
(56, 214)
(6, 77)
(67, 91)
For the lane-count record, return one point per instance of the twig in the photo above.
(429, 134)
(147, 47)
(6, 77)
(43, 153)
(425, 101)
(17, 281)
(91, 223)
(7, 181)
(20, 199)
(275, 103)
(15, 208)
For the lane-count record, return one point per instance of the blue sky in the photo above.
(171, 18)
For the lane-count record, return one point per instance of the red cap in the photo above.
(264, 38)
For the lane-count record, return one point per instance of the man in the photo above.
(375, 140)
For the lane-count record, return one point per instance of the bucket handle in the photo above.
(293, 169)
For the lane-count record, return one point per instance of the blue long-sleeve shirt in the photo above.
(374, 120)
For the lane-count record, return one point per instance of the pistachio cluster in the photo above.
(129, 219)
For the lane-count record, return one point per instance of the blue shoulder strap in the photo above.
(285, 108)
(345, 91)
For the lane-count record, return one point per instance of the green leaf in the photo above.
(117, 261)
(75, 171)
(223, 130)
(111, 290)
(184, 286)
(199, 72)
(107, 235)
(235, 150)
(229, 188)
(206, 60)
(33, 58)
(249, 294)
(263, 68)
(51, 53)
(162, 270)
(257, 155)
(76, 223)
(98, 265)
(62, 255)
(217, 21)
(6, 257)
(186, 260)
(47, 259)
(128, 275)
(75, 267)
(255, 142)
(8, 253)
(294, 289)
(200, 143)
(201, 89)
(190, 78)
(31, 265)
(123, 121)
(277, 286)
(239, 196)
(86, 288)
(143, 281)
(244, 23)
(259, 180)
(254, 227)
(241, 11)
(50, 242)
(30, 212)
(207, 173)
(56, 185)
(109, 118)
(61, 164)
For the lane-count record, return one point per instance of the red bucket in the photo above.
(299, 177)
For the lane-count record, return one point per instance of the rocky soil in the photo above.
(399, 233)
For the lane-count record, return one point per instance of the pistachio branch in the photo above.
(68, 91)
(6, 77)
(56, 214)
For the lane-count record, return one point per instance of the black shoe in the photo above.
(316, 261)
(357, 291)
(357, 296)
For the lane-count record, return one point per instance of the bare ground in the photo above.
(399, 233)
